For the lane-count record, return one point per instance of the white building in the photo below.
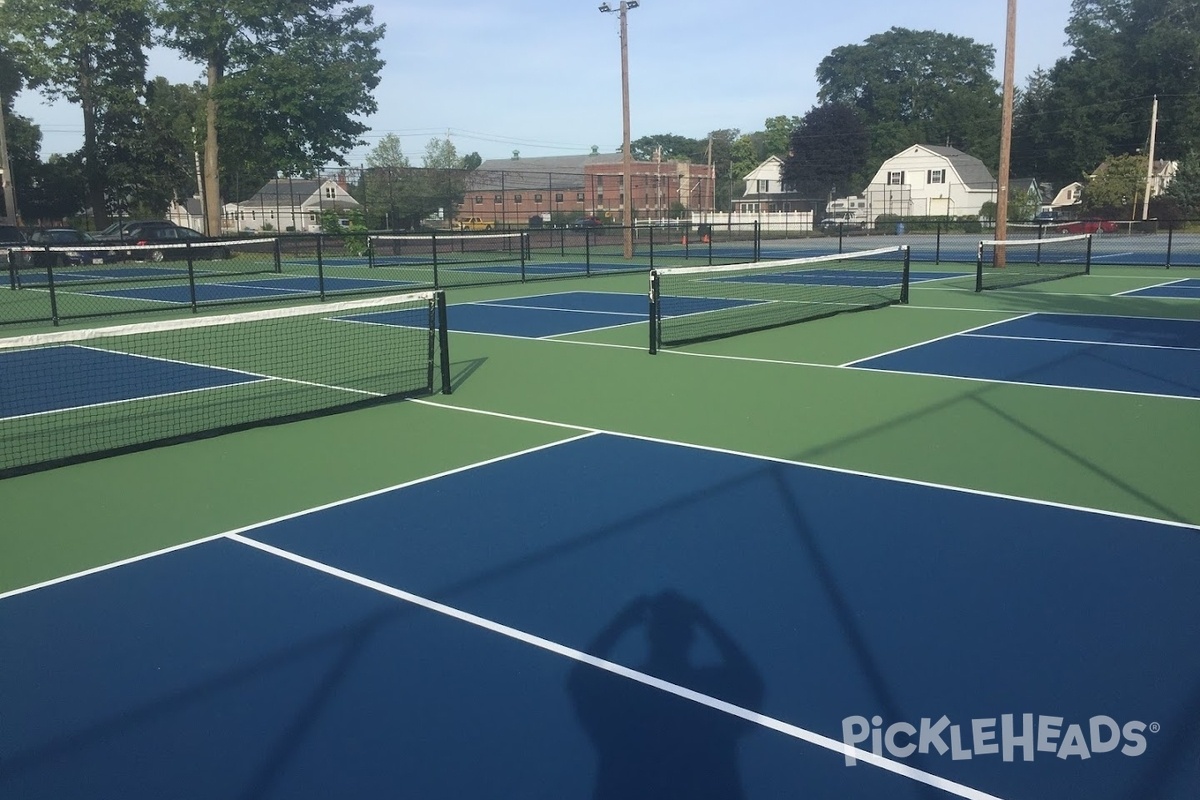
(764, 192)
(290, 204)
(930, 181)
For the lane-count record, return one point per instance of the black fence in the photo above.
(56, 284)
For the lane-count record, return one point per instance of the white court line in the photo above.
(1080, 341)
(938, 339)
(794, 731)
(295, 514)
(1152, 286)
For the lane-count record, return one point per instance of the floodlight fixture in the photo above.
(605, 8)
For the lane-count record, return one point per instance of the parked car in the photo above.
(1086, 226)
(60, 239)
(10, 237)
(121, 230)
(588, 222)
(145, 237)
(473, 224)
(830, 224)
(1046, 217)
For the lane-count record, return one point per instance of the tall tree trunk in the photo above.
(93, 173)
(212, 179)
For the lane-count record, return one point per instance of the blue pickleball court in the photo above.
(610, 616)
(1139, 355)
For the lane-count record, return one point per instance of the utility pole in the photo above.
(9, 217)
(1150, 160)
(626, 155)
(1006, 118)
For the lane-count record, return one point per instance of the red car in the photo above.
(1087, 226)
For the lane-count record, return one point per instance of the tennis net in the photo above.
(446, 249)
(74, 395)
(691, 304)
(1002, 265)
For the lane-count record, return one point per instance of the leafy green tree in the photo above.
(917, 87)
(674, 148)
(389, 184)
(828, 152)
(777, 135)
(1116, 187)
(1184, 188)
(286, 81)
(90, 52)
(1096, 101)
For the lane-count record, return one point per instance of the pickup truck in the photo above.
(473, 224)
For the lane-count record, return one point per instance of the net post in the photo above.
(433, 244)
(757, 241)
(904, 277)
(979, 268)
(443, 334)
(654, 287)
(587, 251)
(276, 253)
(1087, 261)
(320, 265)
(50, 286)
(370, 251)
(1170, 232)
(937, 251)
(841, 226)
(710, 238)
(11, 258)
(191, 273)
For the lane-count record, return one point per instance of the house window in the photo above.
(763, 186)
(935, 176)
(498, 199)
(517, 199)
(478, 199)
(558, 197)
(895, 179)
(330, 193)
(579, 197)
(537, 198)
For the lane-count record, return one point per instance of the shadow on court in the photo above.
(652, 744)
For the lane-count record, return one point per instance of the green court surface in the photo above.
(779, 393)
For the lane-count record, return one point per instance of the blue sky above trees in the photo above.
(544, 77)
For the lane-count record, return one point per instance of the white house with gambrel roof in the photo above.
(930, 181)
(292, 204)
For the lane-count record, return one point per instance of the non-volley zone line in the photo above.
(474, 646)
(1182, 288)
(1129, 355)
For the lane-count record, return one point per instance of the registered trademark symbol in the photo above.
(1155, 727)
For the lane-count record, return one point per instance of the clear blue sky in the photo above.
(544, 77)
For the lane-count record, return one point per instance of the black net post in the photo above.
(50, 287)
(979, 268)
(757, 241)
(191, 273)
(904, 276)
(443, 329)
(278, 256)
(1170, 231)
(1087, 260)
(587, 251)
(937, 250)
(654, 285)
(434, 244)
(320, 265)
(841, 228)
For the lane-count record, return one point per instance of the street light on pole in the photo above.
(626, 157)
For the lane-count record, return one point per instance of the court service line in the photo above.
(303, 512)
(556, 648)
(1082, 341)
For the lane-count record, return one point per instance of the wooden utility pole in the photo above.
(9, 217)
(1006, 117)
(1150, 160)
(627, 156)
